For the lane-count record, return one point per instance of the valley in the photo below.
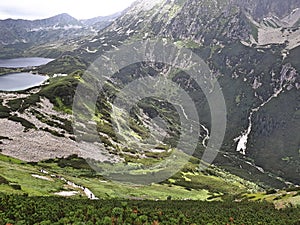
(180, 103)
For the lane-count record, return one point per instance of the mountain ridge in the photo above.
(14, 31)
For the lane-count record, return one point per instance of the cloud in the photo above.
(37, 9)
(15, 12)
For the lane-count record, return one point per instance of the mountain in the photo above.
(101, 22)
(21, 37)
(26, 31)
(252, 49)
(264, 8)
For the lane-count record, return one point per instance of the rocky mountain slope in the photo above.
(251, 47)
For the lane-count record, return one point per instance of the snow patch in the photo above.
(41, 177)
(91, 51)
(66, 193)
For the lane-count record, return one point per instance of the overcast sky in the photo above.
(38, 9)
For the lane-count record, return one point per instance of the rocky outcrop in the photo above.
(263, 8)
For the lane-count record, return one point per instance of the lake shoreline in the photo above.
(25, 62)
(21, 81)
(16, 74)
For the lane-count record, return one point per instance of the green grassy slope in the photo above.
(16, 177)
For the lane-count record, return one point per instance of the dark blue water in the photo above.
(24, 62)
(20, 81)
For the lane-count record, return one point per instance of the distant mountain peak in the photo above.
(63, 16)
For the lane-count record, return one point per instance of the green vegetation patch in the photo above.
(20, 179)
(54, 210)
(60, 92)
(25, 123)
(4, 111)
(20, 104)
